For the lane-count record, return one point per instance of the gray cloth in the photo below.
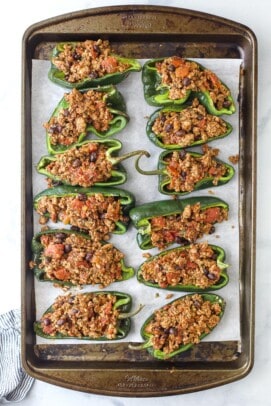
(14, 382)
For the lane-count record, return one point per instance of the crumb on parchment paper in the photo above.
(234, 159)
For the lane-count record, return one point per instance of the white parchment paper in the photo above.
(45, 97)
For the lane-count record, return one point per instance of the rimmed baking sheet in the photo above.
(228, 353)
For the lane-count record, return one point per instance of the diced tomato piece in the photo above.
(169, 236)
(62, 274)
(191, 265)
(48, 329)
(54, 250)
(177, 61)
(158, 222)
(110, 64)
(212, 214)
(172, 277)
(77, 204)
(182, 71)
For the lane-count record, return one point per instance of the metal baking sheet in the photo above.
(168, 31)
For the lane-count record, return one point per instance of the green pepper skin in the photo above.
(124, 302)
(160, 354)
(157, 95)
(118, 174)
(58, 77)
(202, 184)
(37, 249)
(127, 200)
(116, 104)
(224, 278)
(141, 215)
(155, 139)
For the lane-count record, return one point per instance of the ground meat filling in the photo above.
(181, 75)
(83, 315)
(186, 127)
(186, 227)
(182, 322)
(83, 166)
(88, 59)
(185, 170)
(73, 258)
(196, 266)
(84, 109)
(96, 214)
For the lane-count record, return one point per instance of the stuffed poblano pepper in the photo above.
(87, 316)
(181, 324)
(192, 268)
(166, 222)
(89, 64)
(99, 111)
(174, 80)
(178, 127)
(86, 164)
(182, 172)
(69, 258)
(98, 211)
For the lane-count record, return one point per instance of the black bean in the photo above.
(186, 81)
(47, 260)
(75, 228)
(181, 240)
(97, 49)
(183, 175)
(196, 304)
(76, 163)
(71, 300)
(171, 68)
(168, 127)
(211, 276)
(60, 322)
(66, 112)
(212, 230)
(74, 311)
(82, 197)
(46, 322)
(180, 133)
(93, 156)
(227, 103)
(199, 117)
(182, 154)
(93, 74)
(60, 236)
(56, 183)
(67, 248)
(76, 56)
(88, 256)
(173, 331)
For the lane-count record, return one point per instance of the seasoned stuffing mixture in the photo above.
(182, 322)
(96, 214)
(84, 109)
(181, 75)
(88, 59)
(82, 315)
(188, 126)
(83, 166)
(73, 258)
(185, 171)
(196, 265)
(186, 227)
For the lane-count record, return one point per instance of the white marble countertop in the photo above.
(16, 18)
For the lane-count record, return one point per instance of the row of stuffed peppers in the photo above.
(141, 216)
(193, 78)
(106, 316)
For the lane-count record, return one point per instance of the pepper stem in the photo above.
(117, 159)
(130, 314)
(154, 172)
